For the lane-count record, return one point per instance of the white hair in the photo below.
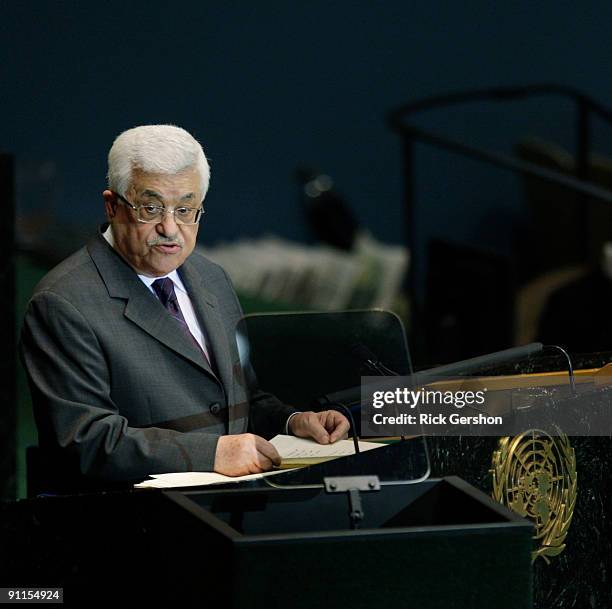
(165, 149)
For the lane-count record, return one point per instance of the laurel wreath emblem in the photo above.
(534, 474)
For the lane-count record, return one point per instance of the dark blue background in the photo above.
(267, 86)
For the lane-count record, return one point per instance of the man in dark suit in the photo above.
(129, 344)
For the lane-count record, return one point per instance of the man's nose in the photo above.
(167, 225)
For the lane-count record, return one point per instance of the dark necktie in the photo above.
(164, 288)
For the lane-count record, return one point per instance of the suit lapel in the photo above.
(206, 307)
(142, 307)
(147, 312)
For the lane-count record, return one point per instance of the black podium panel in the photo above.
(439, 543)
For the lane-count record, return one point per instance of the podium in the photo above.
(435, 543)
(578, 575)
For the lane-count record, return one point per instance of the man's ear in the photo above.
(110, 204)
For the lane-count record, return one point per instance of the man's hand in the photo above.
(324, 427)
(245, 453)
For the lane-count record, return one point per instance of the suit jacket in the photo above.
(119, 392)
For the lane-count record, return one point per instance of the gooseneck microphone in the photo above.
(369, 360)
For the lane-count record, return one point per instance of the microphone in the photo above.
(337, 405)
(474, 363)
(570, 367)
(362, 353)
(348, 397)
(367, 358)
(352, 395)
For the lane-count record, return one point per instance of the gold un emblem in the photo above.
(534, 474)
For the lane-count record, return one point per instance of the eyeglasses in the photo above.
(153, 214)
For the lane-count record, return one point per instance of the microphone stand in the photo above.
(570, 367)
(349, 415)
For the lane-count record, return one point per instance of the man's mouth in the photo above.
(168, 248)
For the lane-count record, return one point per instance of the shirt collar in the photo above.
(176, 280)
(108, 235)
(148, 281)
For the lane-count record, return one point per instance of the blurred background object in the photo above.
(327, 214)
(9, 313)
(273, 274)
(473, 304)
(346, 268)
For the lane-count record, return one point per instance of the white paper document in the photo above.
(179, 479)
(288, 447)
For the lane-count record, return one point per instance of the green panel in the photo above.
(28, 275)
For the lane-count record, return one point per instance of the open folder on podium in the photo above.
(294, 452)
(300, 452)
